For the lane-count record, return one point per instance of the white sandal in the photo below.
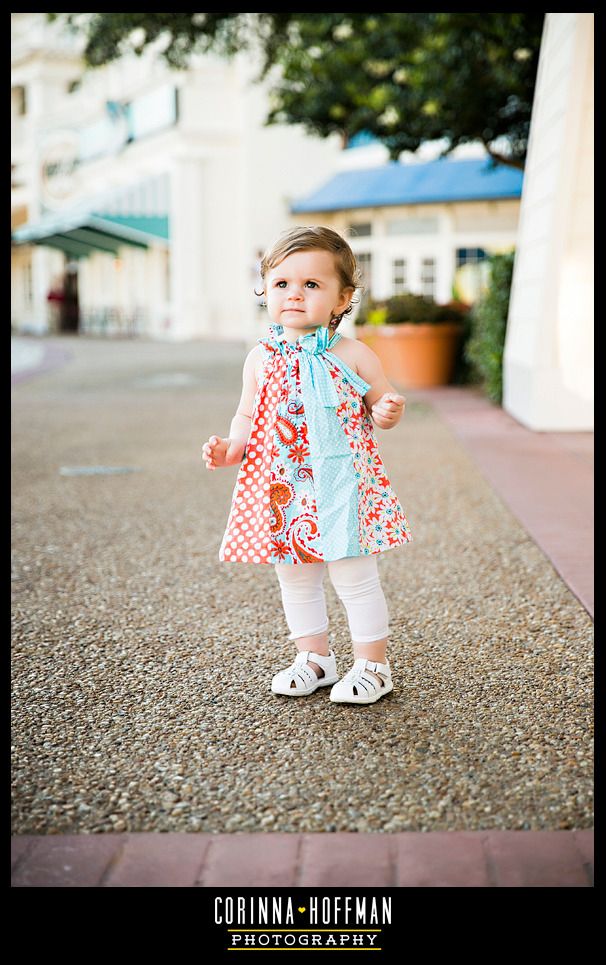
(360, 687)
(305, 678)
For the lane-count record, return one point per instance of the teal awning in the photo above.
(108, 226)
(79, 235)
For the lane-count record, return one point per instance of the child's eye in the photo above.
(282, 284)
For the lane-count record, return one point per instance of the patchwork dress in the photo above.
(312, 485)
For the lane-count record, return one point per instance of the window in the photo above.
(470, 256)
(428, 276)
(360, 230)
(412, 226)
(399, 276)
(152, 111)
(363, 260)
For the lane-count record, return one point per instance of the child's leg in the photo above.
(305, 606)
(356, 582)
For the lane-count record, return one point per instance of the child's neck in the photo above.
(292, 334)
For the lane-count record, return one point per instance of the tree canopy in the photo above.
(404, 78)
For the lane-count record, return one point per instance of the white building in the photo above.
(548, 359)
(413, 226)
(151, 190)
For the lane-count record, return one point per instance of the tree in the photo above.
(405, 78)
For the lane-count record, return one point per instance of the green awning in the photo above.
(80, 232)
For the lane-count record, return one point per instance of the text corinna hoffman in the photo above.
(255, 911)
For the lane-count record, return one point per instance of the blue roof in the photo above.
(472, 179)
(361, 139)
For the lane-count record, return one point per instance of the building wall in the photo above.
(231, 182)
(416, 232)
(548, 361)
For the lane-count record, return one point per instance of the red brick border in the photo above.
(545, 478)
(481, 859)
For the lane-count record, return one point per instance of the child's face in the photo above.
(304, 291)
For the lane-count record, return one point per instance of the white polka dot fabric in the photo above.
(247, 538)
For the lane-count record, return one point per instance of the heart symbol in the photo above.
(301, 910)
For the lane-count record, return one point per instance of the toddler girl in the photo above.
(311, 492)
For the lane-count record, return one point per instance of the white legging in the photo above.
(356, 582)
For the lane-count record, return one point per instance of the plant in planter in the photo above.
(415, 338)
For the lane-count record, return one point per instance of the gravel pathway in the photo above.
(142, 665)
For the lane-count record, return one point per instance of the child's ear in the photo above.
(346, 296)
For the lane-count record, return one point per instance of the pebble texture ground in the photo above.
(142, 665)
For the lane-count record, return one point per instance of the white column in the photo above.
(414, 270)
(156, 300)
(37, 322)
(548, 358)
(447, 257)
(189, 256)
(380, 257)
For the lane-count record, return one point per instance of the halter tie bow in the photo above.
(315, 346)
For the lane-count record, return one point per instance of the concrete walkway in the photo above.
(544, 480)
(32, 356)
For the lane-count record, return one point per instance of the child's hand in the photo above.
(388, 410)
(221, 452)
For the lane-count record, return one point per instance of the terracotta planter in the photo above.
(415, 356)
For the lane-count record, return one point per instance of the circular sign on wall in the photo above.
(59, 174)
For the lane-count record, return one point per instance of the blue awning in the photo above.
(428, 182)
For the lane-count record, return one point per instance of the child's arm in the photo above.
(227, 452)
(385, 404)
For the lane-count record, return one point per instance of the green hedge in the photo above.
(488, 324)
